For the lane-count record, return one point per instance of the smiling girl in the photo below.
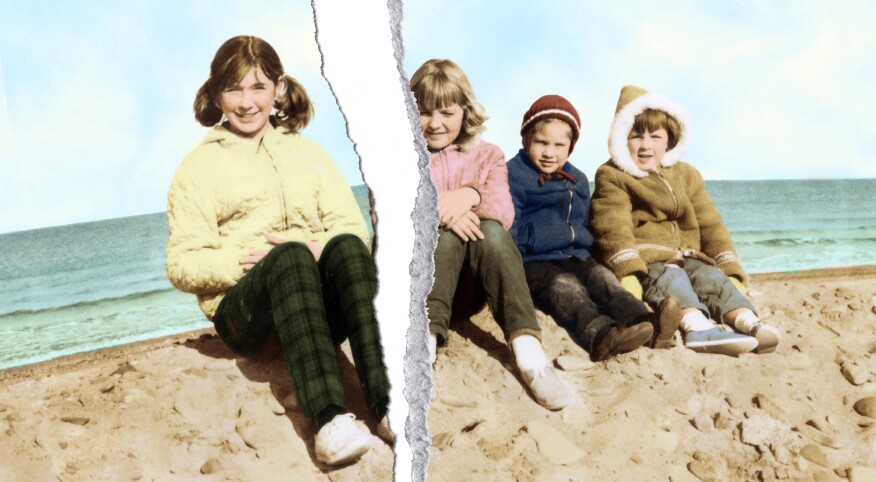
(267, 234)
(475, 212)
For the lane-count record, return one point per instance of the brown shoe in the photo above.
(623, 340)
(666, 320)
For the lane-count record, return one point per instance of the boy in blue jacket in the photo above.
(551, 220)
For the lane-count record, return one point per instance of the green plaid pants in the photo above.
(312, 305)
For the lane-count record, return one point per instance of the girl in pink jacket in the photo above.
(475, 212)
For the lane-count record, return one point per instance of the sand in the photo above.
(675, 414)
(186, 408)
(179, 408)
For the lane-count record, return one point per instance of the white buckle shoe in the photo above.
(342, 440)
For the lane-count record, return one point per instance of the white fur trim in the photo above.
(535, 117)
(623, 123)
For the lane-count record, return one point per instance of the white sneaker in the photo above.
(767, 337)
(549, 390)
(721, 340)
(342, 440)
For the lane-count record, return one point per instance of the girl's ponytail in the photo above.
(207, 113)
(294, 109)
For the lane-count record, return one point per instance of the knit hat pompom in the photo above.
(550, 107)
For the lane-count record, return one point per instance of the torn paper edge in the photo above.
(366, 81)
(418, 372)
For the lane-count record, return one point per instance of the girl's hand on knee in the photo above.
(467, 227)
(254, 257)
(453, 205)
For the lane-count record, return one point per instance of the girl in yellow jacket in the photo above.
(267, 234)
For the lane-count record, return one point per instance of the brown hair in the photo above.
(231, 63)
(651, 120)
(440, 83)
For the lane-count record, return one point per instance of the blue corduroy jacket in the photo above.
(551, 222)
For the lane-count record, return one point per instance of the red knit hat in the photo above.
(550, 107)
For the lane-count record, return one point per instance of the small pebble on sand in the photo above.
(866, 407)
(855, 373)
(814, 454)
(211, 466)
(75, 420)
(570, 363)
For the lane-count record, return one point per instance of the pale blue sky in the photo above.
(779, 89)
(96, 99)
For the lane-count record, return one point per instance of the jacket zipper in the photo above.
(280, 186)
(569, 213)
(675, 210)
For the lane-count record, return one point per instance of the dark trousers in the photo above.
(312, 306)
(584, 297)
(497, 266)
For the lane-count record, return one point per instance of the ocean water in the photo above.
(87, 286)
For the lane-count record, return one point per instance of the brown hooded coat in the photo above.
(641, 217)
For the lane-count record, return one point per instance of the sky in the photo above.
(95, 110)
(96, 99)
(776, 90)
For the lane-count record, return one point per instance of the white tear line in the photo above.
(418, 372)
(360, 60)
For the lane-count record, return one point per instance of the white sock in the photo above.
(696, 321)
(433, 348)
(528, 353)
(745, 321)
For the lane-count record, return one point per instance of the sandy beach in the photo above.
(185, 408)
(179, 408)
(675, 414)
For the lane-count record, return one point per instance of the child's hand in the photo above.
(254, 257)
(467, 227)
(315, 247)
(738, 284)
(453, 205)
(632, 285)
(276, 241)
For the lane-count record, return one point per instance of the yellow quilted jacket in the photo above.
(229, 190)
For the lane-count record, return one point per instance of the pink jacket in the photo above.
(481, 168)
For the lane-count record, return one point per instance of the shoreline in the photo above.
(71, 361)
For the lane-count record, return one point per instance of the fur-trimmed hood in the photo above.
(632, 102)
